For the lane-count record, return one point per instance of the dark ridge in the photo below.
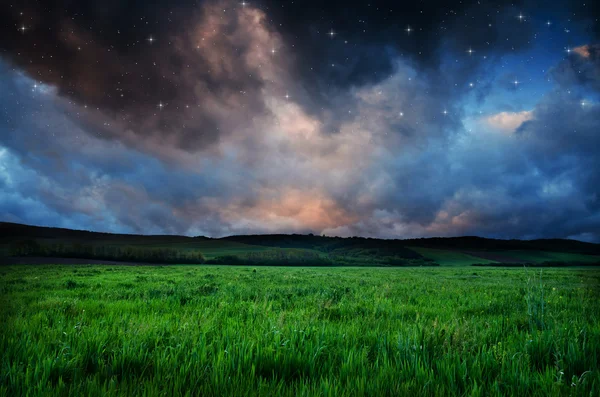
(451, 243)
(13, 232)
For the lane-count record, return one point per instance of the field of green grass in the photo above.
(239, 331)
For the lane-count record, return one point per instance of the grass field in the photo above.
(237, 331)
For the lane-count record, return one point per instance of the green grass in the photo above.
(224, 331)
(450, 258)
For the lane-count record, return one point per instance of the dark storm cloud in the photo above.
(98, 54)
(537, 182)
(548, 181)
(363, 138)
(369, 38)
(540, 180)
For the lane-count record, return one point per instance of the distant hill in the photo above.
(292, 249)
(488, 244)
(329, 244)
(12, 231)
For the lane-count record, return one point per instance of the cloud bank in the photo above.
(229, 140)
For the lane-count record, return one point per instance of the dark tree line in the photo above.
(115, 253)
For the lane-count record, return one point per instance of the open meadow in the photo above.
(329, 331)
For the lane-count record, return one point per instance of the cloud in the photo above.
(583, 51)
(190, 88)
(508, 121)
(241, 144)
(581, 70)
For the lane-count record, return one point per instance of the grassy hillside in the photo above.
(288, 250)
(534, 256)
(470, 243)
(10, 232)
(336, 245)
(450, 258)
(292, 249)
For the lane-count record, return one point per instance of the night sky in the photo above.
(383, 119)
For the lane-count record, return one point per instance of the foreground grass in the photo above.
(192, 330)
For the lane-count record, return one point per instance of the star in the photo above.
(287, 96)
(548, 23)
(244, 4)
(445, 112)
(161, 105)
(521, 17)
(568, 50)
(408, 29)
(471, 84)
(583, 103)
(516, 82)
(23, 29)
(151, 39)
(401, 114)
(331, 33)
(470, 51)
(273, 51)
